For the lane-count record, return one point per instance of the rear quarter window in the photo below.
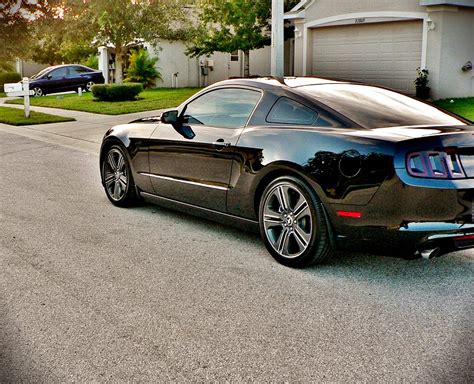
(288, 111)
(291, 112)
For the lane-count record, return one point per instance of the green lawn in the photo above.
(148, 100)
(463, 107)
(15, 116)
(3, 94)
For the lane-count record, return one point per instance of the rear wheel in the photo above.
(89, 85)
(117, 177)
(292, 223)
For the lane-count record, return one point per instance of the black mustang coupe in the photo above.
(314, 164)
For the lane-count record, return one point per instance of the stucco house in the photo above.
(179, 70)
(384, 41)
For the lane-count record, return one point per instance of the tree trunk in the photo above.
(246, 63)
(118, 65)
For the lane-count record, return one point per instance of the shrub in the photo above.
(142, 68)
(9, 77)
(421, 80)
(116, 92)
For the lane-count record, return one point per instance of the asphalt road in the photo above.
(94, 293)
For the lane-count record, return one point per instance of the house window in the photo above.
(234, 56)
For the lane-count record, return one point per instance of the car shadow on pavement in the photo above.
(353, 265)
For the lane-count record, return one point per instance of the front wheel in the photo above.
(37, 92)
(292, 223)
(117, 177)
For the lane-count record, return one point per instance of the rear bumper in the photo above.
(410, 238)
(446, 235)
(402, 218)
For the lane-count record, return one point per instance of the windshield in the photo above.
(373, 107)
(41, 73)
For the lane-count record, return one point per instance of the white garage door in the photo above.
(385, 54)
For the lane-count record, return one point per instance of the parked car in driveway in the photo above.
(314, 164)
(62, 78)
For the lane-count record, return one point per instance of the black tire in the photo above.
(293, 224)
(117, 177)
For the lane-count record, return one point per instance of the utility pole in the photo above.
(277, 39)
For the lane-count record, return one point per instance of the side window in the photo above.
(227, 108)
(288, 111)
(80, 70)
(59, 73)
(75, 71)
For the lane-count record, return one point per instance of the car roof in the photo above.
(267, 82)
(67, 65)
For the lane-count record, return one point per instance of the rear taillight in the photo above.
(434, 164)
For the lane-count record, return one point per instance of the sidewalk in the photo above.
(84, 134)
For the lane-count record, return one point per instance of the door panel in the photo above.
(58, 80)
(194, 171)
(75, 78)
(191, 161)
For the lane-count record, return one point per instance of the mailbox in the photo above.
(20, 89)
(15, 89)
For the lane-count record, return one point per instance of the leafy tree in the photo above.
(38, 30)
(84, 25)
(92, 61)
(124, 23)
(142, 68)
(229, 25)
(50, 35)
(16, 20)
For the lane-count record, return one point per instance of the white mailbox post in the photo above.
(20, 89)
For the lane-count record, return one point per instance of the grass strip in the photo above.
(463, 106)
(148, 100)
(14, 116)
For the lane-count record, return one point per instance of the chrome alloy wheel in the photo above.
(116, 176)
(287, 220)
(89, 85)
(37, 92)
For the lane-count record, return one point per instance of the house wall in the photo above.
(28, 68)
(260, 61)
(321, 9)
(325, 8)
(450, 46)
(172, 59)
(447, 47)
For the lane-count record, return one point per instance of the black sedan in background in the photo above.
(314, 164)
(62, 78)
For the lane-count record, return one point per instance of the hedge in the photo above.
(116, 92)
(9, 77)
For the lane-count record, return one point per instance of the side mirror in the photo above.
(169, 117)
(49, 77)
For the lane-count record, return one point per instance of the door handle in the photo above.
(221, 143)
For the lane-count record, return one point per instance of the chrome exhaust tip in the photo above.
(429, 253)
